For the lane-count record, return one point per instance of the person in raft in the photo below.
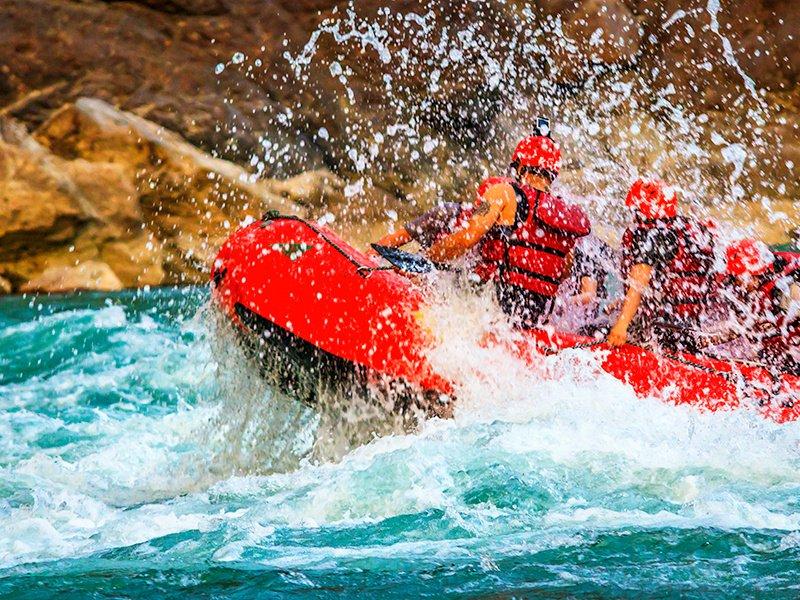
(522, 234)
(667, 262)
(430, 226)
(577, 306)
(579, 303)
(761, 294)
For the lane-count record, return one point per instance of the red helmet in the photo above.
(538, 151)
(748, 257)
(653, 199)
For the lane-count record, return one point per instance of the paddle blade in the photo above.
(405, 261)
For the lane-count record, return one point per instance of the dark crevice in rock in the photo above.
(184, 8)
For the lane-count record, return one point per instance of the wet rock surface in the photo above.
(86, 275)
(137, 134)
(97, 184)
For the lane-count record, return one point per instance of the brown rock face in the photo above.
(129, 112)
(596, 33)
(137, 261)
(88, 275)
(157, 58)
(96, 184)
(38, 201)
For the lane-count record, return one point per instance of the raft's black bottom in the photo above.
(301, 370)
(293, 364)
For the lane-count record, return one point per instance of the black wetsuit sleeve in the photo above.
(586, 265)
(653, 247)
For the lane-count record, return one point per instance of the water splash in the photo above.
(462, 91)
(713, 8)
(137, 449)
(169, 471)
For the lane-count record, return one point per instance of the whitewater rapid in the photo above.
(125, 452)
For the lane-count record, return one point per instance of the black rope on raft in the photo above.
(362, 270)
(731, 376)
(366, 270)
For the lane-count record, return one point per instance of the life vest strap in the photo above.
(526, 272)
(539, 247)
(693, 300)
(531, 253)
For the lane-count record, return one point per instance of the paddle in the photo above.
(714, 339)
(711, 339)
(407, 261)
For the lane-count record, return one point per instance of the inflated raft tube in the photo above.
(305, 299)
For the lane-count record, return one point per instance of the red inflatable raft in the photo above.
(311, 301)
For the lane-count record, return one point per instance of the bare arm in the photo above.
(457, 243)
(793, 310)
(396, 239)
(569, 262)
(588, 291)
(638, 280)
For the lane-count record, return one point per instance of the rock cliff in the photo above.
(144, 207)
(135, 135)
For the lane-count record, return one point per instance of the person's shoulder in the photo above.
(497, 182)
(498, 189)
(665, 239)
(653, 243)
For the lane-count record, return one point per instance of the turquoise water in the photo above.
(140, 457)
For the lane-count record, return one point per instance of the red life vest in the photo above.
(788, 270)
(532, 253)
(683, 284)
(775, 285)
(776, 349)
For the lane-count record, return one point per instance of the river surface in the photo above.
(140, 458)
